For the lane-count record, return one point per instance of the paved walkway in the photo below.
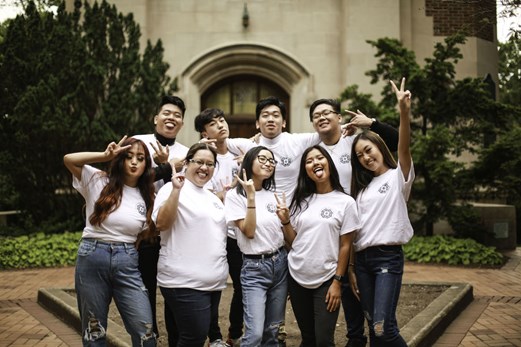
(492, 319)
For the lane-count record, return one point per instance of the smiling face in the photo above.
(326, 120)
(169, 121)
(135, 163)
(270, 122)
(200, 168)
(263, 166)
(317, 166)
(370, 157)
(216, 129)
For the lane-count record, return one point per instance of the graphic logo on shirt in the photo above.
(285, 161)
(271, 207)
(326, 213)
(384, 189)
(218, 206)
(141, 208)
(345, 158)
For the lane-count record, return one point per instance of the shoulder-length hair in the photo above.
(306, 186)
(247, 164)
(361, 176)
(110, 196)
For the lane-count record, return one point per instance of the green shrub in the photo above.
(451, 250)
(39, 250)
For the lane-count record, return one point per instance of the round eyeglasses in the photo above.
(263, 160)
(200, 163)
(324, 113)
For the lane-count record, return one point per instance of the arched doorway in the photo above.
(237, 96)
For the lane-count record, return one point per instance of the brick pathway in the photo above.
(492, 319)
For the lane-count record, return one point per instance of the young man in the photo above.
(326, 118)
(212, 125)
(164, 149)
(270, 115)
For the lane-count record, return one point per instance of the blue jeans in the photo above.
(353, 313)
(192, 313)
(105, 271)
(379, 273)
(264, 293)
(317, 325)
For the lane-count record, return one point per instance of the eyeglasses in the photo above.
(200, 163)
(263, 160)
(324, 113)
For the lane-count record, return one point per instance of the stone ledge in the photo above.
(422, 330)
(425, 328)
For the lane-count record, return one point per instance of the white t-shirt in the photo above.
(268, 233)
(341, 155)
(287, 149)
(313, 257)
(224, 173)
(225, 170)
(193, 250)
(382, 208)
(122, 224)
(176, 151)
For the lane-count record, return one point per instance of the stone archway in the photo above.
(245, 59)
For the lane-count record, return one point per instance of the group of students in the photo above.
(320, 217)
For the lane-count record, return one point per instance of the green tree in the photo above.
(510, 71)
(450, 117)
(70, 81)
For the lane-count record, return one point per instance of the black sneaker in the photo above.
(356, 343)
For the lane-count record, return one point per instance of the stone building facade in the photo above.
(231, 53)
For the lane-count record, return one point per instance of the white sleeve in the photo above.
(234, 207)
(239, 145)
(161, 197)
(351, 221)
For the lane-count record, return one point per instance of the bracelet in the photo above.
(286, 222)
(251, 206)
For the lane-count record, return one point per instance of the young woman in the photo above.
(192, 268)
(381, 189)
(251, 206)
(118, 207)
(320, 234)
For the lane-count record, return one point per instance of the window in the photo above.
(237, 97)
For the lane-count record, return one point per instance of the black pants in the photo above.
(234, 257)
(148, 257)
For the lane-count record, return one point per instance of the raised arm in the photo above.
(283, 214)
(404, 142)
(387, 132)
(75, 161)
(249, 223)
(167, 213)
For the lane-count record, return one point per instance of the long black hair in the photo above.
(247, 164)
(361, 176)
(307, 187)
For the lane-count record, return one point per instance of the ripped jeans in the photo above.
(379, 272)
(264, 294)
(106, 271)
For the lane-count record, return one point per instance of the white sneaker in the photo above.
(218, 343)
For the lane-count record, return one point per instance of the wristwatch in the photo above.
(338, 278)
(373, 120)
